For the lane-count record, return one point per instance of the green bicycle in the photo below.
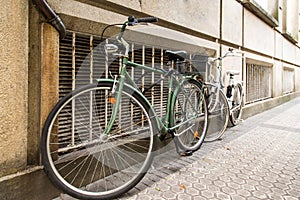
(113, 129)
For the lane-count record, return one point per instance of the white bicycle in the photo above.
(223, 105)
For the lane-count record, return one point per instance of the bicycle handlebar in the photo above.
(231, 52)
(132, 20)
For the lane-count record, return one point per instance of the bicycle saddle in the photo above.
(232, 72)
(176, 55)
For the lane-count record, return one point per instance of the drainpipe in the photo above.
(51, 16)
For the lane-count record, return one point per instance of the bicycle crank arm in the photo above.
(235, 108)
(176, 135)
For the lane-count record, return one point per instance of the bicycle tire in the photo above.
(191, 92)
(92, 166)
(237, 105)
(218, 113)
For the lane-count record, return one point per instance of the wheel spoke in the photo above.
(86, 162)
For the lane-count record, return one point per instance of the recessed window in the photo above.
(258, 82)
(288, 80)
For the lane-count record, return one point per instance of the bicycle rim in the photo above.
(237, 105)
(83, 163)
(218, 113)
(190, 103)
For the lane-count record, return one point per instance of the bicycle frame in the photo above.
(168, 118)
(218, 82)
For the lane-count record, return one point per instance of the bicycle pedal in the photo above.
(161, 137)
(186, 153)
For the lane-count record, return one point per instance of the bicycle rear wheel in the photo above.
(218, 113)
(237, 105)
(87, 164)
(190, 105)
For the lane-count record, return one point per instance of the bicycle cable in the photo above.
(102, 34)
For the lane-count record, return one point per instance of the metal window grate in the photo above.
(288, 80)
(82, 61)
(258, 82)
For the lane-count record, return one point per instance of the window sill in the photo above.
(256, 9)
(289, 37)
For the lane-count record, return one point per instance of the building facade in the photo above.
(38, 67)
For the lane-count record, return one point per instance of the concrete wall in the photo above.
(13, 85)
(232, 22)
(261, 38)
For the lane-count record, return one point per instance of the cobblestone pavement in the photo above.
(258, 159)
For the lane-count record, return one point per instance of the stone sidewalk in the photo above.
(258, 159)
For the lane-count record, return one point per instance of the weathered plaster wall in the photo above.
(13, 85)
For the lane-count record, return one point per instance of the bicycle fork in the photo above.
(114, 97)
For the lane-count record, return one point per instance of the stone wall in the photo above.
(13, 85)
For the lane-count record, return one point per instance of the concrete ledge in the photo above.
(31, 184)
(258, 107)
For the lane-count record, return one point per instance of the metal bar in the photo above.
(91, 93)
(162, 83)
(73, 87)
(143, 78)
(152, 78)
(132, 76)
(147, 68)
(106, 92)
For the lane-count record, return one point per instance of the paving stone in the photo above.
(258, 194)
(192, 191)
(169, 195)
(238, 181)
(176, 189)
(144, 196)
(290, 198)
(294, 193)
(199, 186)
(219, 183)
(213, 188)
(184, 197)
(207, 194)
(274, 196)
(243, 193)
(278, 191)
(234, 185)
(199, 198)
(237, 197)
(263, 189)
(222, 196)
(228, 190)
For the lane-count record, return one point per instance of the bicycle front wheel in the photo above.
(218, 113)
(237, 105)
(190, 110)
(87, 164)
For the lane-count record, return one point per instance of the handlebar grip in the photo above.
(147, 19)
